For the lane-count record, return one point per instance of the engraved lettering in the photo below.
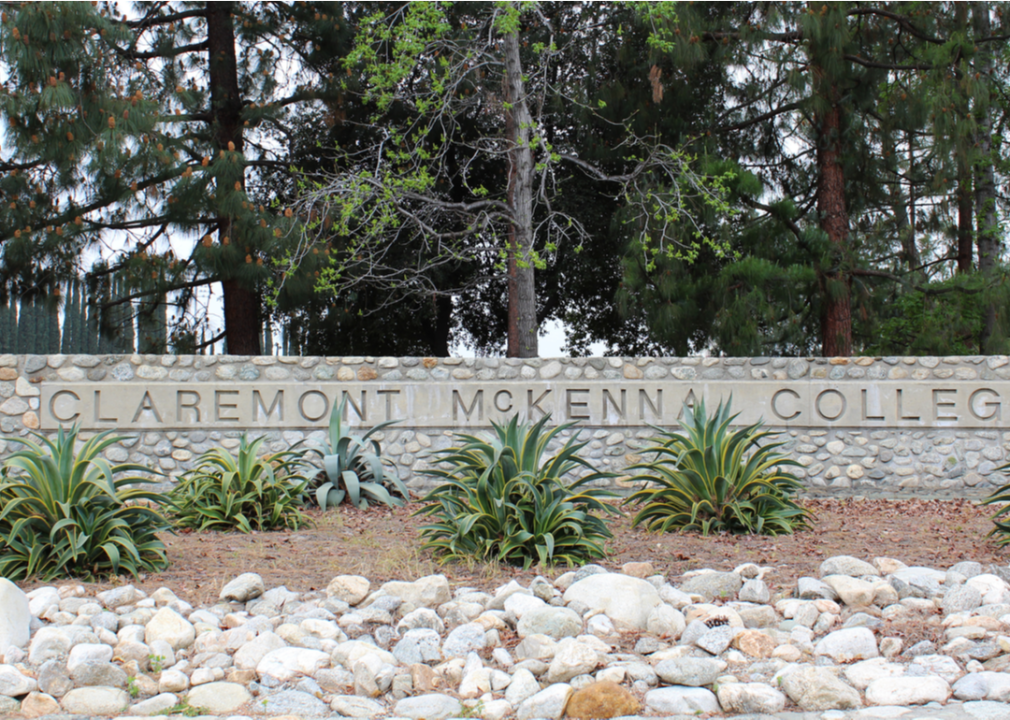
(866, 415)
(98, 409)
(194, 405)
(901, 410)
(622, 410)
(147, 405)
(689, 402)
(995, 408)
(52, 406)
(939, 402)
(389, 401)
(532, 404)
(310, 394)
(571, 405)
(497, 404)
(219, 405)
(818, 404)
(361, 410)
(656, 408)
(259, 406)
(779, 413)
(458, 404)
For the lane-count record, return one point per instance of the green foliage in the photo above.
(70, 513)
(244, 492)
(1000, 496)
(353, 469)
(940, 319)
(715, 479)
(499, 500)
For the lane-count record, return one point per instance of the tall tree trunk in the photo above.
(836, 285)
(241, 304)
(987, 234)
(438, 342)
(512, 277)
(965, 201)
(965, 215)
(521, 202)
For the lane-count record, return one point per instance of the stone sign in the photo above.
(805, 403)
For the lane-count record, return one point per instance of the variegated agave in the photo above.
(712, 478)
(499, 500)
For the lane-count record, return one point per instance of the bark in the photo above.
(965, 201)
(911, 247)
(965, 215)
(987, 235)
(512, 278)
(836, 284)
(241, 303)
(521, 203)
(442, 331)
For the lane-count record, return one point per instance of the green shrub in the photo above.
(498, 501)
(353, 469)
(1000, 496)
(244, 492)
(65, 513)
(715, 479)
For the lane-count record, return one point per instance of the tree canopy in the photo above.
(428, 178)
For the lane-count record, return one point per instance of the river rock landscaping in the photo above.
(864, 639)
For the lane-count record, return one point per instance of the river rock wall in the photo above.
(921, 426)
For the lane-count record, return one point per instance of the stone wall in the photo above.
(877, 426)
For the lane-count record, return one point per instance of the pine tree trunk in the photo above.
(987, 235)
(836, 314)
(241, 304)
(965, 201)
(521, 201)
(965, 216)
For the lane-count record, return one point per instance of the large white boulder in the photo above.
(628, 601)
(170, 626)
(15, 616)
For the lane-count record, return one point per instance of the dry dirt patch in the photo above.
(383, 544)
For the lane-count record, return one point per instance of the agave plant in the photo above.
(353, 469)
(1001, 497)
(70, 513)
(713, 478)
(499, 500)
(245, 491)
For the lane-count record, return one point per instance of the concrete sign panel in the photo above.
(132, 406)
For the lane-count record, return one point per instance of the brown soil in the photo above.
(383, 544)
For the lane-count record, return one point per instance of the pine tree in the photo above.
(141, 124)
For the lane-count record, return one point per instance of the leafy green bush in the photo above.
(353, 469)
(498, 501)
(245, 492)
(715, 479)
(1000, 496)
(65, 513)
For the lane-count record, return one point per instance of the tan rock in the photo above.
(30, 420)
(638, 569)
(632, 373)
(8, 373)
(351, 589)
(37, 704)
(853, 591)
(430, 362)
(242, 676)
(755, 643)
(601, 700)
(345, 373)
(886, 565)
(366, 373)
(424, 679)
